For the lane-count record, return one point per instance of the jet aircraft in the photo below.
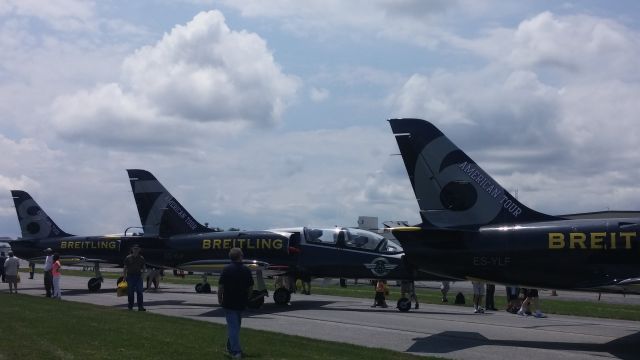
(293, 252)
(473, 228)
(40, 232)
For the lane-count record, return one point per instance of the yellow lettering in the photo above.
(556, 241)
(206, 244)
(627, 238)
(277, 244)
(77, 245)
(577, 238)
(227, 243)
(596, 240)
(113, 245)
(242, 241)
(613, 240)
(217, 244)
(63, 245)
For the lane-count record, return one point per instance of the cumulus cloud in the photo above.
(62, 15)
(202, 72)
(560, 89)
(412, 21)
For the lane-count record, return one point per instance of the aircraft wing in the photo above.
(216, 266)
(70, 260)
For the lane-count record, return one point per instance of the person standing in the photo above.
(48, 279)
(133, 267)
(11, 267)
(55, 276)
(444, 290)
(408, 290)
(478, 294)
(489, 300)
(381, 292)
(2, 259)
(32, 270)
(234, 288)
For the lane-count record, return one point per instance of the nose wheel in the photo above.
(281, 296)
(404, 304)
(95, 283)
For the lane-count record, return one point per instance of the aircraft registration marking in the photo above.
(592, 240)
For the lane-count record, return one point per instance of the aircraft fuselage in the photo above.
(564, 254)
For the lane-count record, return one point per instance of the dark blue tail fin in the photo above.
(34, 222)
(160, 213)
(451, 189)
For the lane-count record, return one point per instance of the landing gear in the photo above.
(257, 296)
(95, 283)
(404, 304)
(204, 286)
(281, 296)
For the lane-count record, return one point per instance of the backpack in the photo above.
(459, 299)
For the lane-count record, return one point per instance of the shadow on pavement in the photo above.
(449, 341)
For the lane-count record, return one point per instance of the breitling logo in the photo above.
(380, 266)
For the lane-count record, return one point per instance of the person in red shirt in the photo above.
(55, 274)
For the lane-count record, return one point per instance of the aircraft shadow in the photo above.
(271, 308)
(76, 292)
(623, 348)
(176, 303)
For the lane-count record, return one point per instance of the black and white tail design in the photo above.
(160, 213)
(451, 189)
(35, 224)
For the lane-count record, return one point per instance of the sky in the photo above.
(263, 114)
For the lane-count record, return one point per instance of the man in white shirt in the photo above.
(11, 266)
(48, 279)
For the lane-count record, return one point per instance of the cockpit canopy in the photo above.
(351, 238)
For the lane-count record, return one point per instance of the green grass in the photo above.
(430, 296)
(40, 328)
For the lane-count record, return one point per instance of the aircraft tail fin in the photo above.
(34, 221)
(451, 189)
(160, 213)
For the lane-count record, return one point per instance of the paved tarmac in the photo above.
(445, 331)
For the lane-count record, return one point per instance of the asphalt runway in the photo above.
(445, 331)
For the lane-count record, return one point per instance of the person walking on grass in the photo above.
(55, 276)
(11, 267)
(48, 279)
(134, 265)
(234, 288)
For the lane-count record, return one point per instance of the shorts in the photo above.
(11, 278)
(478, 288)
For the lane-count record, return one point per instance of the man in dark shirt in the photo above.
(234, 288)
(133, 267)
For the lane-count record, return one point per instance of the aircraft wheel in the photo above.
(281, 296)
(206, 288)
(94, 284)
(256, 300)
(404, 304)
(199, 288)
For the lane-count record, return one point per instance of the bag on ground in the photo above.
(122, 288)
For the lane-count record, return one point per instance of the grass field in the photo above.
(430, 296)
(39, 328)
